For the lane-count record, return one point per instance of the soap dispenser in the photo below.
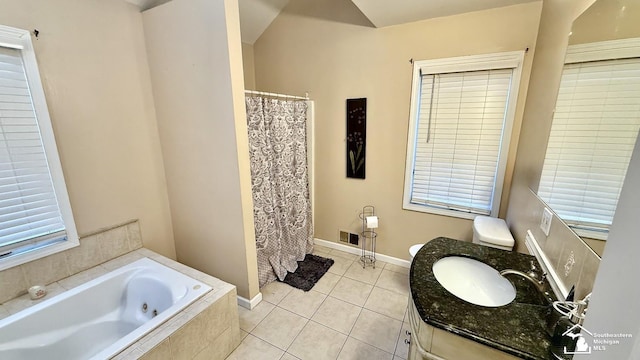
(566, 334)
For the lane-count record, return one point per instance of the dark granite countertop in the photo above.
(517, 328)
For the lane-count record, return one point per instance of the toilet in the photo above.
(414, 249)
(487, 231)
(492, 232)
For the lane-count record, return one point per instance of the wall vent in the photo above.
(353, 239)
(349, 238)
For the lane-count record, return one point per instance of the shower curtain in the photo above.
(281, 202)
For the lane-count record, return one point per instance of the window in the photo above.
(462, 112)
(594, 130)
(35, 215)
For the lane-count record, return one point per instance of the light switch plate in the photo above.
(545, 222)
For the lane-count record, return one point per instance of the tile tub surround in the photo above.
(207, 329)
(516, 328)
(94, 249)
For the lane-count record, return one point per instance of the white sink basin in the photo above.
(473, 281)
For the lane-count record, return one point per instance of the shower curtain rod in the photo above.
(306, 97)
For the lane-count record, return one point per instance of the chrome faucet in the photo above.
(532, 276)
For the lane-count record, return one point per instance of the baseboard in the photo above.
(357, 251)
(250, 304)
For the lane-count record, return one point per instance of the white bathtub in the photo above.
(100, 318)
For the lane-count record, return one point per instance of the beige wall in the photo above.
(248, 67)
(95, 76)
(305, 49)
(525, 208)
(195, 60)
(607, 20)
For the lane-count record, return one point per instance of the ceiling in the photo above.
(257, 15)
(385, 13)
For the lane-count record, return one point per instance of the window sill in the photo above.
(437, 211)
(25, 257)
(591, 234)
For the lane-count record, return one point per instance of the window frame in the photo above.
(510, 59)
(20, 39)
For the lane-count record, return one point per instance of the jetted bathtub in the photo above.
(100, 318)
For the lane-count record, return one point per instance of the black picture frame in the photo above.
(356, 138)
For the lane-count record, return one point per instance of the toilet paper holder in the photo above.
(368, 235)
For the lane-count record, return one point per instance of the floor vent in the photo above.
(349, 238)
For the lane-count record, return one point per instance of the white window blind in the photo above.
(461, 119)
(593, 133)
(28, 207)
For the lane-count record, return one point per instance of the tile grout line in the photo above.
(266, 341)
(298, 334)
(352, 326)
(305, 325)
(318, 308)
(311, 319)
(395, 348)
(274, 307)
(373, 311)
(259, 322)
(360, 313)
(360, 308)
(354, 323)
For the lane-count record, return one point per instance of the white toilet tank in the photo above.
(492, 232)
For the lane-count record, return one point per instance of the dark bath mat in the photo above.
(309, 271)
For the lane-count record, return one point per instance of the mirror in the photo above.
(596, 120)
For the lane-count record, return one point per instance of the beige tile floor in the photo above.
(351, 313)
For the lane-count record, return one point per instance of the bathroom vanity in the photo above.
(444, 327)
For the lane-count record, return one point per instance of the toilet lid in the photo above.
(492, 230)
(413, 250)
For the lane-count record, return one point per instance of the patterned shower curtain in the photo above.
(281, 204)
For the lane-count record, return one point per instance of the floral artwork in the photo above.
(356, 137)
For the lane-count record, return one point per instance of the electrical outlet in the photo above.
(545, 222)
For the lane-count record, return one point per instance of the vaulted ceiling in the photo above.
(257, 15)
(386, 13)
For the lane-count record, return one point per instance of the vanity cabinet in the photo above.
(430, 343)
